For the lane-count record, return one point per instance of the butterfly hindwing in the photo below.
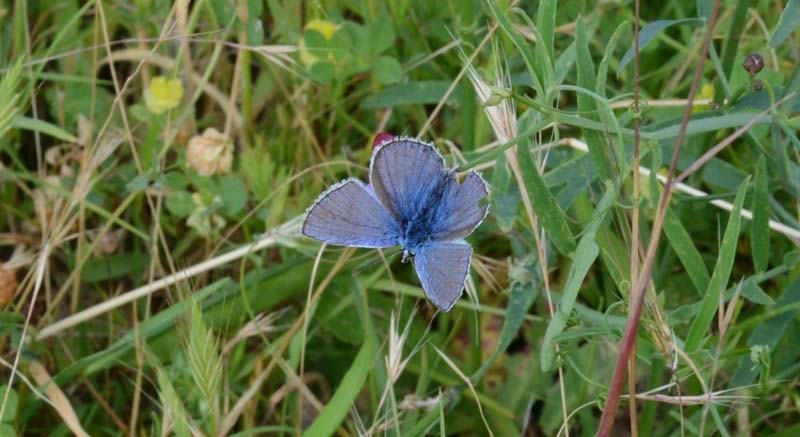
(442, 268)
(348, 214)
(403, 172)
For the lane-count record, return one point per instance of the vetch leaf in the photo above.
(719, 279)
(759, 226)
(650, 31)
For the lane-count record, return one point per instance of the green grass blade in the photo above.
(586, 105)
(44, 127)
(602, 69)
(551, 217)
(546, 23)
(687, 252)
(585, 255)
(10, 104)
(342, 401)
(790, 18)
(759, 226)
(545, 60)
(522, 45)
(719, 279)
(421, 92)
(731, 44)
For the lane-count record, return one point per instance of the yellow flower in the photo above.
(210, 153)
(324, 27)
(163, 94)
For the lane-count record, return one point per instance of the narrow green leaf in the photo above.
(790, 18)
(731, 43)
(759, 226)
(10, 95)
(650, 31)
(421, 92)
(546, 23)
(752, 292)
(719, 279)
(522, 45)
(792, 87)
(544, 59)
(586, 105)
(704, 8)
(687, 253)
(45, 128)
(602, 69)
(113, 266)
(544, 204)
(10, 411)
(342, 401)
(585, 255)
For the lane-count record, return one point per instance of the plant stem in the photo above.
(637, 295)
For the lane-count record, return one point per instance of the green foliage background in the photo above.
(96, 199)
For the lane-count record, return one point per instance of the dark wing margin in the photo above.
(442, 268)
(460, 211)
(348, 215)
(402, 173)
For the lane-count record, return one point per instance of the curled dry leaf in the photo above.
(8, 284)
(110, 241)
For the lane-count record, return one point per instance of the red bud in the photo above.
(382, 138)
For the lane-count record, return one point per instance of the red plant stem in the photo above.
(637, 296)
(635, 243)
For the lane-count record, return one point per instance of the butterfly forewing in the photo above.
(403, 173)
(348, 214)
(442, 268)
(459, 210)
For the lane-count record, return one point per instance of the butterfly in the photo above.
(412, 201)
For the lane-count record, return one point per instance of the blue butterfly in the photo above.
(412, 201)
